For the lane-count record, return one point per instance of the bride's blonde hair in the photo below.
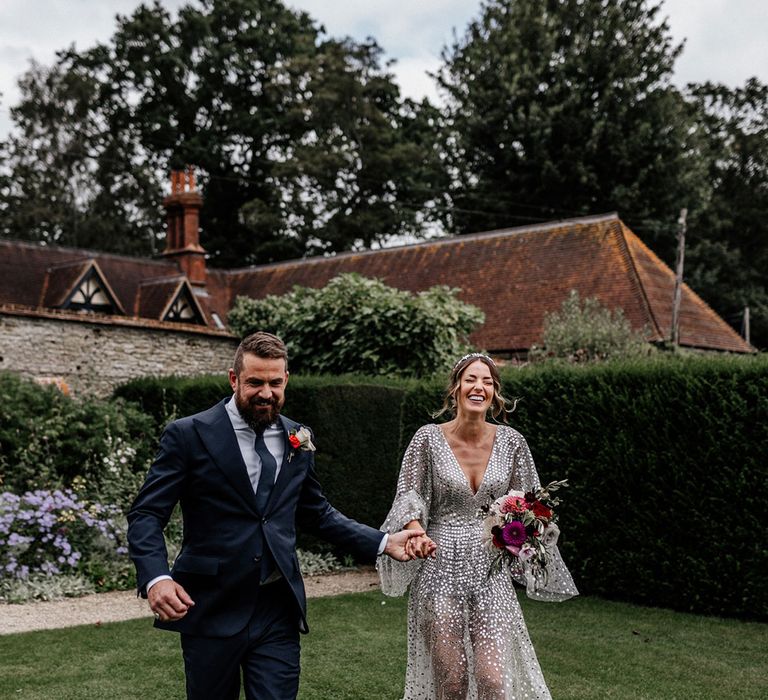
(499, 404)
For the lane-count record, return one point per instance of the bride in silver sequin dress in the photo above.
(466, 633)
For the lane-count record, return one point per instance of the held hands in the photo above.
(168, 600)
(409, 544)
(421, 547)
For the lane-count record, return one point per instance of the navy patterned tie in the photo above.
(267, 476)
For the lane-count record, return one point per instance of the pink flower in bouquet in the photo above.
(513, 534)
(514, 504)
(526, 552)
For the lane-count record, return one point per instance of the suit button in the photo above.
(264, 521)
(256, 560)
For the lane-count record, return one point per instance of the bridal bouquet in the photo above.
(522, 527)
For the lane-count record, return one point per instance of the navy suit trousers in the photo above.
(266, 651)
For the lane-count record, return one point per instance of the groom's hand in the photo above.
(168, 600)
(397, 544)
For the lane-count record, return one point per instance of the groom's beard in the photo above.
(256, 412)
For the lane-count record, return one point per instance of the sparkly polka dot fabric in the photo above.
(466, 635)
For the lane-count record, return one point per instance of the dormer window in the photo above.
(184, 307)
(181, 310)
(90, 295)
(80, 286)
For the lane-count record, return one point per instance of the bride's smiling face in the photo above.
(475, 390)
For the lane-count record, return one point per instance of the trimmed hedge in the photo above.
(666, 461)
(356, 421)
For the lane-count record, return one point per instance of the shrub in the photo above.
(42, 587)
(168, 398)
(360, 325)
(50, 441)
(587, 331)
(316, 563)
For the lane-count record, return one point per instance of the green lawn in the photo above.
(588, 648)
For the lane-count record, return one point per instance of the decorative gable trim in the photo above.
(90, 291)
(183, 307)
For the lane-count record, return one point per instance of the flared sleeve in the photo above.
(556, 584)
(412, 502)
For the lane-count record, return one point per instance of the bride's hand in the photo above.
(421, 547)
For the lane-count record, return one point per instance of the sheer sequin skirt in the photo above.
(466, 635)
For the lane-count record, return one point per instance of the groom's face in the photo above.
(259, 389)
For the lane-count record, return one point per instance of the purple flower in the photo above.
(41, 531)
(513, 534)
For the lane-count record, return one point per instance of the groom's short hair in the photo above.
(261, 344)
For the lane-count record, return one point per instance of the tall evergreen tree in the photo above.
(564, 107)
(729, 251)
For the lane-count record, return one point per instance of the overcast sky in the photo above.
(726, 40)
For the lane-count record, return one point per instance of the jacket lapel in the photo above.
(220, 440)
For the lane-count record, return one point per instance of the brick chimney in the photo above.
(183, 237)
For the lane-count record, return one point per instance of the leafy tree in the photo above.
(302, 141)
(565, 107)
(729, 242)
(65, 176)
(587, 331)
(357, 324)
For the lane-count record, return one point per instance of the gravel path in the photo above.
(124, 605)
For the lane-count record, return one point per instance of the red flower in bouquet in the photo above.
(541, 511)
(295, 442)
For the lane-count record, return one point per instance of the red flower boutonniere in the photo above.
(300, 439)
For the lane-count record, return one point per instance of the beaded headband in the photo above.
(477, 355)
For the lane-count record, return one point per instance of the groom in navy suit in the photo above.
(244, 476)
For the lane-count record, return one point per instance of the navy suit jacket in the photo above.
(199, 465)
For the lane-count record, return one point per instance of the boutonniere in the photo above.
(300, 439)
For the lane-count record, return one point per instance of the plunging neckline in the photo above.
(458, 464)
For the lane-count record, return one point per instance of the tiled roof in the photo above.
(155, 295)
(515, 276)
(36, 277)
(105, 320)
(59, 281)
(518, 275)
